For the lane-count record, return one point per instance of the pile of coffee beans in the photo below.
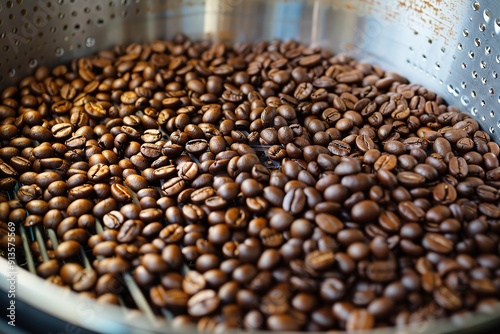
(268, 185)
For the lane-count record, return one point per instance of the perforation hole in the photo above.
(466, 33)
(476, 5)
(482, 27)
(487, 15)
(465, 100)
(59, 52)
(90, 42)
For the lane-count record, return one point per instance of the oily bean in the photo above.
(174, 298)
(104, 206)
(48, 268)
(67, 249)
(389, 221)
(442, 146)
(320, 260)
(458, 167)
(365, 211)
(105, 248)
(410, 212)
(294, 201)
(173, 186)
(135, 182)
(79, 207)
(410, 179)
(359, 320)
(84, 280)
(129, 230)
(172, 233)
(196, 146)
(282, 322)
(329, 223)
(203, 303)
(381, 271)
(447, 298)
(121, 193)
(188, 171)
(437, 243)
(387, 162)
(339, 148)
(444, 193)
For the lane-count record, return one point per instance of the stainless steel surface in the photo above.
(449, 46)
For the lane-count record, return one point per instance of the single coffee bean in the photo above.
(437, 243)
(129, 230)
(203, 303)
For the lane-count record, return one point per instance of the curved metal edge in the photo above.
(72, 308)
(81, 312)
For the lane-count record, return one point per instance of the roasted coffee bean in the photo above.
(359, 320)
(129, 230)
(294, 201)
(173, 186)
(458, 167)
(203, 303)
(67, 249)
(339, 148)
(329, 223)
(320, 260)
(437, 243)
(121, 193)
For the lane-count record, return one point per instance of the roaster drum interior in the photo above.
(449, 46)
